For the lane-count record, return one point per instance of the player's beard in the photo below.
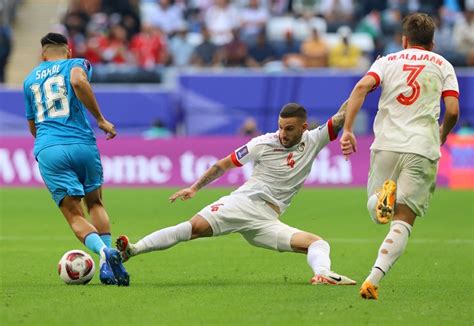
(287, 143)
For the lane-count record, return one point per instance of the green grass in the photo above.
(226, 281)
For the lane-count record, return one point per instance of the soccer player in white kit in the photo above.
(406, 149)
(281, 161)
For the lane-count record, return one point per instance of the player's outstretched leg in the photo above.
(161, 239)
(319, 261)
(385, 208)
(114, 260)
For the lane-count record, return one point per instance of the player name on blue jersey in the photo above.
(41, 74)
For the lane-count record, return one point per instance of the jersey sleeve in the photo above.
(322, 135)
(376, 71)
(29, 111)
(450, 84)
(84, 65)
(247, 153)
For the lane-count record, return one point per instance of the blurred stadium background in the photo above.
(181, 96)
(217, 72)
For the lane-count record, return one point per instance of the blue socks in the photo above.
(94, 242)
(107, 239)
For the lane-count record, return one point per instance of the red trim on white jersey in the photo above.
(331, 131)
(450, 93)
(376, 77)
(234, 159)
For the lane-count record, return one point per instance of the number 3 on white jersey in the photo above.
(414, 70)
(55, 92)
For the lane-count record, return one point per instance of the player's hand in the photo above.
(348, 144)
(183, 194)
(442, 137)
(108, 128)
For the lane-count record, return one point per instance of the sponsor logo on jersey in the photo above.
(242, 152)
(279, 150)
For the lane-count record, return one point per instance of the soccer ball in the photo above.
(76, 267)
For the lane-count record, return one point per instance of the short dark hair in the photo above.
(419, 29)
(54, 39)
(293, 110)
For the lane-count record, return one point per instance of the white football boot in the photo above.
(331, 278)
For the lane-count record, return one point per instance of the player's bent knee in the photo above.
(200, 227)
(301, 241)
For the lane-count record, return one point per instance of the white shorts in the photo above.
(415, 176)
(253, 218)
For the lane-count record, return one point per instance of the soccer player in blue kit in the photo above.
(57, 93)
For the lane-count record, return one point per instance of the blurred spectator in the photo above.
(5, 49)
(261, 52)
(76, 17)
(404, 6)
(149, 47)
(114, 48)
(337, 13)
(315, 51)
(306, 7)
(391, 21)
(181, 49)
(345, 54)
(371, 24)
(253, 19)
(463, 34)
(163, 14)
(157, 130)
(289, 45)
(205, 54)
(249, 128)
(395, 44)
(235, 53)
(221, 19)
(128, 12)
(431, 7)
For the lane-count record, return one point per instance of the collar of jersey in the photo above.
(417, 47)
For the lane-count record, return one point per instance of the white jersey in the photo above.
(412, 80)
(279, 172)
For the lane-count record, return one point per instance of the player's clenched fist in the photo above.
(183, 194)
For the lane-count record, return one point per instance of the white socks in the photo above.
(163, 239)
(371, 204)
(318, 257)
(391, 248)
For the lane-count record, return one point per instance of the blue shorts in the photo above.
(70, 170)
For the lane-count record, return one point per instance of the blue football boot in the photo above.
(114, 260)
(107, 275)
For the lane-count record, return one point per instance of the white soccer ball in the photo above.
(76, 267)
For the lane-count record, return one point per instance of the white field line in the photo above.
(55, 238)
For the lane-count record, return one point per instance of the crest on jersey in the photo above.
(301, 147)
(242, 152)
(86, 64)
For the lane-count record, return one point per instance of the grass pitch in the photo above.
(226, 281)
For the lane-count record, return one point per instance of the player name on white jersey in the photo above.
(415, 57)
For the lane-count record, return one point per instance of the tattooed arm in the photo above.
(339, 118)
(213, 173)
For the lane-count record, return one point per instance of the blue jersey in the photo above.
(60, 117)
